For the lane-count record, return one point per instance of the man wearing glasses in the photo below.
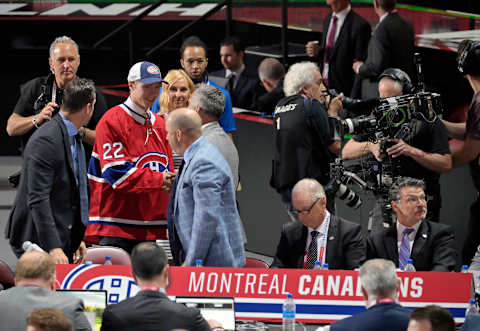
(319, 236)
(430, 245)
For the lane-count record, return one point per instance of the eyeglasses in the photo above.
(307, 211)
(414, 200)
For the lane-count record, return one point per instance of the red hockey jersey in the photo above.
(125, 177)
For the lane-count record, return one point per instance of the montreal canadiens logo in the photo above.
(154, 161)
(153, 70)
(117, 281)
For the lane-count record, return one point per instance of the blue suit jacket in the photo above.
(380, 317)
(203, 210)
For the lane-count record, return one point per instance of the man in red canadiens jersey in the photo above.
(130, 169)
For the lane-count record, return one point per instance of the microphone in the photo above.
(29, 246)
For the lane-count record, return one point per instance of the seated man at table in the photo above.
(151, 309)
(319, 235)
(35, 281)
(430, 245)
(380, 286)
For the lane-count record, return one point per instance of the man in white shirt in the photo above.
(244, 86)
(430, 245)
(345, 40)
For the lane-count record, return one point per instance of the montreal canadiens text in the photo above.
(273, 284)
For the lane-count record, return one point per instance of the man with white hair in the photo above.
(380, 286)
(303, 137)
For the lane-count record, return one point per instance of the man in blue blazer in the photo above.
(203, 221)
(380, 286)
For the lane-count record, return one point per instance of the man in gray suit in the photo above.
(208, 101)
(35, 288)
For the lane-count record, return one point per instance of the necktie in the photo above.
(312, 250)
(82, 179)
(404, 252)
(231, 83)
(331, 39)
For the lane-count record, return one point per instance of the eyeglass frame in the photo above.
(297, 212)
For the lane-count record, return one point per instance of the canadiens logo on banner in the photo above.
(154, 161)
(118, 283)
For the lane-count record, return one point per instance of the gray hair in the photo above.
(378, 278)
(210, 100)
(395, 190)
(397, 85)
(271, 69)
(311, 186)
(63, 40)
(298, 76)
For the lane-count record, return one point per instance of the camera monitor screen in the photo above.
(219, 309)
(94, 301)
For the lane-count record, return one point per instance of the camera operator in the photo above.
(468, 59)
(424, 155)
(303, 138)
(41, 97)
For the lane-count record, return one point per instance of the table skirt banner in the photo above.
(321, 296)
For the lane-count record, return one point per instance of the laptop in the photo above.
(94, 301)
(220, 309)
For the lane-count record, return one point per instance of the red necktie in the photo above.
(329, 47)
(331, 39)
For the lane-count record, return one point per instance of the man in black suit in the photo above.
(430, 245)
(51, 205)
(345, 40)
(319, 236)
(391, 46)
(151, 309)
(271, 73)
(380, 286)
(243, 86)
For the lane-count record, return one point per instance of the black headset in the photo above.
(468, 57)
(401, 77)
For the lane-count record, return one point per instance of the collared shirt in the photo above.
(72, 132)
(137, 109)
(382, 18)
(228, 74)
(321, 238)
(411, 235)
(188, 154)
(340, 20)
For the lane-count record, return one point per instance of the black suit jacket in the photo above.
(433, 248)
(266, 103)
(391, 46)
(345, 245)
(247, 90)
(380, 317)
(152, 311)
(351, 44)
(46, 210)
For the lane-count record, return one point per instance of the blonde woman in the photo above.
(175, 95)
(177, 92)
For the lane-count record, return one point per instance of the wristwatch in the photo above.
(35, 121)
